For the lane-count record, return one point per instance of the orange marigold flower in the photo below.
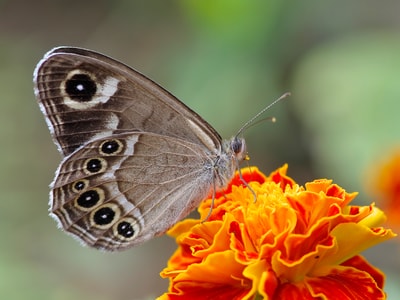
(293, 242)
(385, 184)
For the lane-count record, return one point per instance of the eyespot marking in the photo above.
(83, 90)
(111, 147)
(95, 165)
(126, 229)
(105, 216)
(80, 185)
(89, 199)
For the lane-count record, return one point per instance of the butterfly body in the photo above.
(136, 160)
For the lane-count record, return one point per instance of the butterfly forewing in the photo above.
(85, 95)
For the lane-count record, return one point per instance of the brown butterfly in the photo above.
(136, 160)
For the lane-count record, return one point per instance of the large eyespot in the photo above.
(111, 147)
(126, 229)
(94, 166)
(105, 216)
(82, 90)
(80, 185)
(89, 199)
(80, 87)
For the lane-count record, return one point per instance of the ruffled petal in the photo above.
(274, 239)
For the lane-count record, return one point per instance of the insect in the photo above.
(136, 160)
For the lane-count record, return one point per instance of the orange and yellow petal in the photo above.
(274, 239)
(218, 276)
(342, 282)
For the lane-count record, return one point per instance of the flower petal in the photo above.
(274, 239)
(353, 238)
(217, 277)
(342, 282)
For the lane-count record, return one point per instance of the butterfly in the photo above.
(135, 159)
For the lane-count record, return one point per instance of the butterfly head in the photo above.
(238, 147)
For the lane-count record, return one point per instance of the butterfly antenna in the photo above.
(249, 122)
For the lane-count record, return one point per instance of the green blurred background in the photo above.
(226, 60)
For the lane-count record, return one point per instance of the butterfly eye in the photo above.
(81, 87)
(238, 145)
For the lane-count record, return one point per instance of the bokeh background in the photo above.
(226, 60)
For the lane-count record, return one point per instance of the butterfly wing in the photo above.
(85, 96)
(118, 192)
